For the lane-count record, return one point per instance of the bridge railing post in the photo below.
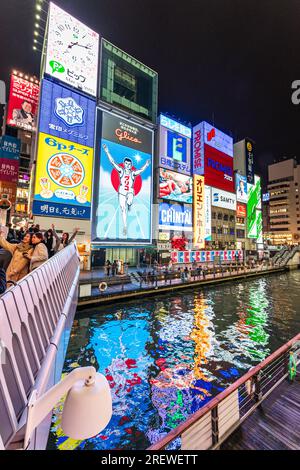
(215, 425)
(257, 386)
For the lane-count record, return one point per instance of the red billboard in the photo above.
(23, 103)
(218, 169)
(241, 210)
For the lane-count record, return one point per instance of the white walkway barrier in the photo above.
(35, 321)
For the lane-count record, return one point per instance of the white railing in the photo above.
(35, 321)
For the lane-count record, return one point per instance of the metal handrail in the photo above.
(253, 375)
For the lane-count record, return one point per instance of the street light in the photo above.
(87, 408)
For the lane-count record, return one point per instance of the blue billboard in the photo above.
(122, 182)
(10, 147)
(175, 217)
(67, 114)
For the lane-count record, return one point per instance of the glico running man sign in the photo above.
(122, 182)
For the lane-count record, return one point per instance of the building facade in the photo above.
(284, 204)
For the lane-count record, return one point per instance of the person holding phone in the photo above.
(19, 264)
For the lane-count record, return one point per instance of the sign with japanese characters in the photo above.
(199, 212)
(67, 114)
(22, 103)
(72, 51)
(174, 148)
(9, 158)
(63, 178)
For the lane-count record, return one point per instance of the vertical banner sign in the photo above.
(207, 207)
(124, 199)
(253, 215)
(9, 166)
(199, 212)
(22, 103)
(198, 149)
(249, 161)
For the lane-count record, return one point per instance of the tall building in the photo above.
(283, 186)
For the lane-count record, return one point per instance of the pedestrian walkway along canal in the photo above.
(167, 356)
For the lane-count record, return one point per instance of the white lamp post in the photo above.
(87, 408)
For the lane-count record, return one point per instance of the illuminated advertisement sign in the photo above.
(207, 210)
(199, 212)
(241, 188)
(241, 210)
(175, 126)
(72, 51)
(249, 160)
(175, 186)
(9, 158)
(67, 114)
(205, 256)
(23, 103)
(266, 197)
(218, 169)
(63, 184)
(198, 149)
(217, 139)
(127, 83)
(123, 183)
(259, 225)
(223, 199)
(175, 217)
(174, 151)
(254, 203)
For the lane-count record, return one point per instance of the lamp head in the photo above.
(87, 409)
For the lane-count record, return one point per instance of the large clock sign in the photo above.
(72, 51)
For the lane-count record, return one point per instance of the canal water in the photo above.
(167, 356)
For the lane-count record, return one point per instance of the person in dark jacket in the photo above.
(5, 258)
(2, 281)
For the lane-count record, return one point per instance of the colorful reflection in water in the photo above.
(166, 357)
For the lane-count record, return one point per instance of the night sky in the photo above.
(230, 62)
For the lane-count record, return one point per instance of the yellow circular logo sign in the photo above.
(249, 146)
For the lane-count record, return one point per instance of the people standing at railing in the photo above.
(65, 239)
(50, 242)
(39, 254)
(19, 264)
(107, 267)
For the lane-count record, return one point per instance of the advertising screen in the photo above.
(175, 217)
(123, 196)
(223, 199)
(63, 185)
(67, 114)
(22, 103)
(254, 203)
(266, 197)
(175, 186)
(218, 169)
(199, 212)
(241, 188)
(72, 51)
(174, 151)
(207, 208)
(241, 210)
(127, 83)
(217, 139)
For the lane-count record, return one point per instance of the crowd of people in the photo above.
(26, 249)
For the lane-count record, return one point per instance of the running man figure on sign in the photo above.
(126, 188)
